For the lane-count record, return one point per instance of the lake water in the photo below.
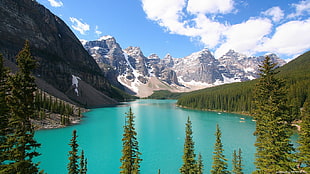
(161, 130)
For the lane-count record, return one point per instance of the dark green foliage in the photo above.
(165, 94)
(44, 101)
(274, 150)
(237, 97)
(120, 95)
(189, 163)
(199, 165)
(234, 97)
(219, 161)
(73, 166)
(19, 147)
(83, 163)
(237, 162)
(131, 156)
(304, 139)
(77, 164)
(3, 106)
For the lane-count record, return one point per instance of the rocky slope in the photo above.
(59, 53)
(142, 75)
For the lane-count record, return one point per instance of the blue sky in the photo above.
(181, 27)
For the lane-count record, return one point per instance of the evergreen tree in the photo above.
(73, 166)
(3, 107)
(189, 163)
(304, 139)
(19, 148)
(237, 162)
(131, 156)
(83, 163)
(273, 147)
(219, 161)
(200, 165)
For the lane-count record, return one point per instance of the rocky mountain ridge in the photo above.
(142, 75)
(59, 53)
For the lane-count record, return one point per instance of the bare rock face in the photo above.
(130, 68)
(58, 51)
(200, 66)
(129, 63)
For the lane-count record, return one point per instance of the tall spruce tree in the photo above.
(73, 166)
(273, 147)
(304, 138)
(3, 107)
(131, 156)
(189, 162)
(200, 164)
(83, 163)
(20, 144)
(219, 161)
(237, 162)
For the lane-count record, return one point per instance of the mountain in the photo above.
(61, 57)
(142, 75)
(129, 69)
(238, 97)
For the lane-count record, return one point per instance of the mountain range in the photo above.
(141, 75)
(95, 73)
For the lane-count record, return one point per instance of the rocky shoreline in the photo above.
(54, 121)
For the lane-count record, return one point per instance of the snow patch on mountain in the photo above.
(142, 75)
(75, 84)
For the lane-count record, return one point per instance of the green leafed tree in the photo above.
(273, 147)
(130, 153)
(19, 148)
(219, 161)
(189, 162)
(304, 139)
(237, 162)
(73, 166)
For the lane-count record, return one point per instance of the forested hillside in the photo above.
(237, 97)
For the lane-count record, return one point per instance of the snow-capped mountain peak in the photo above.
(138, 73)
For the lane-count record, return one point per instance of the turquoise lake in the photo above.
(160, 126)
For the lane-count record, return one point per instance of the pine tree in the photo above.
(189, 163)
(199, 165)
(3, 107)
(304, 138)
(219, 161)
(20, 144)
(273, 147)
(73, 166)
(83, 163)
(131, 156)
(237, 162)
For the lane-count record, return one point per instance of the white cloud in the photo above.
(192, 18)
(166, 13)
(275, 12)
(210, 6)
(290, 38)
(245, 37)
(55, 3)
(301, 8)
(79, 25)
(97, 31)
